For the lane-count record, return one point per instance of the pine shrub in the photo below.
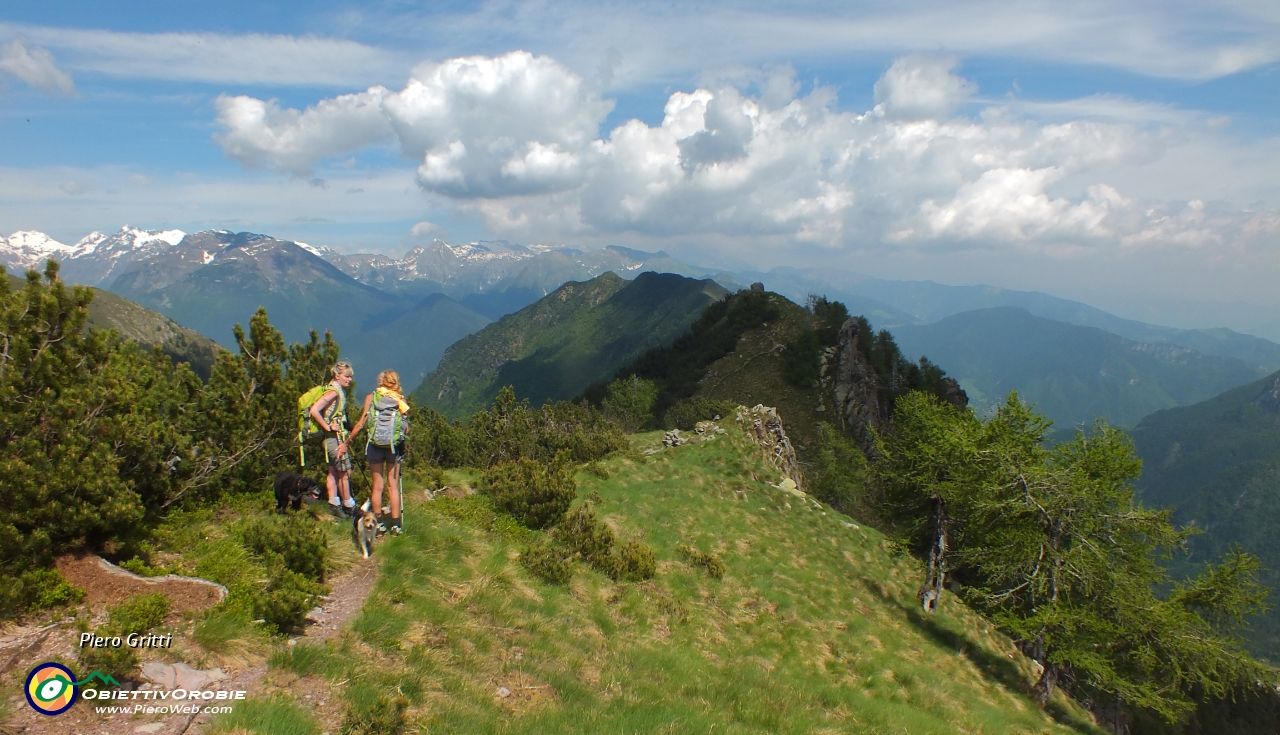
(118, 663)
(581, 535)
(287, 598)
(628, 402)
(138, 614)
(637, 562)
(686, 414)
(36, 589)
(534, 493)
(297, 541)
(547, 563)
(713, 565)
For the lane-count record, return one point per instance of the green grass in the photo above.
(813, 627)
(275, 716)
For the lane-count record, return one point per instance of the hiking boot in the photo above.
(395, 531)
(351, 512)
(338, 512)
(382, 527)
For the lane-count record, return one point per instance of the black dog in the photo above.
(292, 489)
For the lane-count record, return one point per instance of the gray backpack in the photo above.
(390, 427)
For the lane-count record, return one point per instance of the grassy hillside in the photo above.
(578, 334)
(812, 629)
(1218, 464)
(146, 327)
(1072, 374)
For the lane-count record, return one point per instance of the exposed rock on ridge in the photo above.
(762, 424)
(862, 403)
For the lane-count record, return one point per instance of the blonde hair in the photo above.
(389, 379)
(342, 368)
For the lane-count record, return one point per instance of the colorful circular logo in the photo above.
(51, 689)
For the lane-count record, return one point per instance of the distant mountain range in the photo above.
(577, 335)
(1071, 373)
(403, 313)
(384, 312)
(890, 304)
(1217, 463)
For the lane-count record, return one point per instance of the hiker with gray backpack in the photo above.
(386, 410)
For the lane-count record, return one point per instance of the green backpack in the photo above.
(307, 426)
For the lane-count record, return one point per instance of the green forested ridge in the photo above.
(146, 327)
(1217, 464)
(1071, 374)
(758, 347)
(579, 334)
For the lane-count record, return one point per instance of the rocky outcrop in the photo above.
(862, 404)
(762, 424)
(952, 393)
(855, 390)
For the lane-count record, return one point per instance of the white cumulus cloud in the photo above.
(35, 66)
(261, 133)
(515, 140)
(921, 87)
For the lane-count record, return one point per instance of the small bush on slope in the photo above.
(534, 493)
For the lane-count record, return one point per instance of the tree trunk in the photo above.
(1043, 689)
(932, 590)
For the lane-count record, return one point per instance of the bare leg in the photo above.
(377, 469)
(344, 486)
(393, 488)
(331, 483)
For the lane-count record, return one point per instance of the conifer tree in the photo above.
(1063, 557)
(92, 429)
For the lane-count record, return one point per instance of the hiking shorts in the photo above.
(381, 455)
(339, 464)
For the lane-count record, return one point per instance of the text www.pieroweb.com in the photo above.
(163, 709)
(180, 702)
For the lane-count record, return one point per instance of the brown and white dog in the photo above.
(366, 529)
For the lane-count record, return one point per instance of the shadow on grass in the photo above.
(992, 665)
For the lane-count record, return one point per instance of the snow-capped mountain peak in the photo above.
(29, 249)
(127, 239)
(322, 252)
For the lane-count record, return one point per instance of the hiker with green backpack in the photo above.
(384, 449)
(322, 411)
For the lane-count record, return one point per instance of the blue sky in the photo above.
(1099, 148)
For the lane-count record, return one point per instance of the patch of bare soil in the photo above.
(24, 647)
(107, 584)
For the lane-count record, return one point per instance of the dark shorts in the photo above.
(340, 464)
(375, 454)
